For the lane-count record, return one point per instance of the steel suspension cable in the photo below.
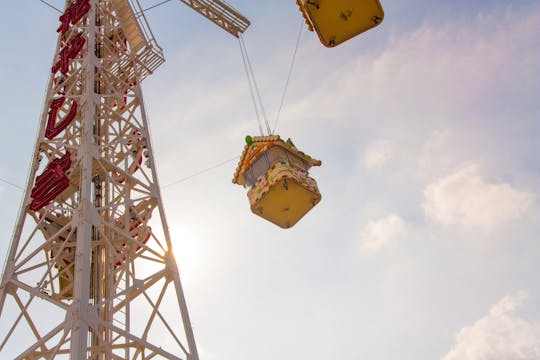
(251, 91)
(251, 75)
(200, 172)
(290, 72)
(49, 5)
(10, 183)
(155, 6)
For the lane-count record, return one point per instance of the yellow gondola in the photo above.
(336, 21)
(281, 190)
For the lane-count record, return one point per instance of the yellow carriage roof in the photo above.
(259, 145)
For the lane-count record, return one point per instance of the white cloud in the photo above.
(378, 154)
(466, 198)
(500, 335)
(439, 152)
(423, 79)
(382, 233)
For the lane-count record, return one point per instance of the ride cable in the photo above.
(200, 172)
(155, 6)
(253, 88)
(289, 75)
(51, 6)
(10, 183)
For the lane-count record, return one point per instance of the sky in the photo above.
(425, 244)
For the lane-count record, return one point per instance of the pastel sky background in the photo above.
(426, 244)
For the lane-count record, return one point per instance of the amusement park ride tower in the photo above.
(90, 273)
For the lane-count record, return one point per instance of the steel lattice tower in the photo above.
(90, 272)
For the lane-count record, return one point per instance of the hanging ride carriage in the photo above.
(336, 21)
(281, 190)
(276, 172)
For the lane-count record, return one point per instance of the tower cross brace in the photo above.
(90, 272)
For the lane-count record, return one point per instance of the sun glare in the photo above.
(187, 252)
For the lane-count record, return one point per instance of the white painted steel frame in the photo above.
(221, 14)
(86, 275)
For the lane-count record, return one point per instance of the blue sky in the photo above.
(425, 245)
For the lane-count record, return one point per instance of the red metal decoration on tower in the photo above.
(68, 53)
(73, 14)
(54, 128)
(51, 182)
